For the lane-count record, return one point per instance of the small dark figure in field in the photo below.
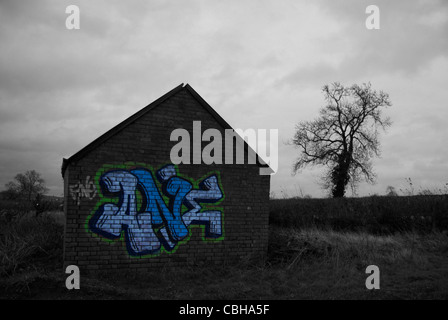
(39, 205)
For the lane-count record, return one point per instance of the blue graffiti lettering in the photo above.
(155, 224)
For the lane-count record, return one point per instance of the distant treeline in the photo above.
(13, 206)
(376, 214)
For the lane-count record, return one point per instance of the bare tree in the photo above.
(27, 185)
(344, 137)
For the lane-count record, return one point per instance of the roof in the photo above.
(98, 141)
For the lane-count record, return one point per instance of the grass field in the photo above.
(377, 215)
(304, 261)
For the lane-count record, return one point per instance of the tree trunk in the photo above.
(339, 190)
(340, 177)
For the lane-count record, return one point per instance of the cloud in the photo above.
(260, 64)
(412, 35)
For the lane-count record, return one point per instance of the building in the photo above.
(128, 206)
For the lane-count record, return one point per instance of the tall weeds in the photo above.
(25, 242)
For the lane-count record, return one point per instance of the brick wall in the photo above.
(146, 143)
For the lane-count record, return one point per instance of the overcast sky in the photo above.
(259, 64)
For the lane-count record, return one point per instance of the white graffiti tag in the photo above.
(79, 190)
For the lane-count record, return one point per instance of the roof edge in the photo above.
(223, 122)
(114, 130)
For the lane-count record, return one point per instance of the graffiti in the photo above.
(79, 190)
(136, 208)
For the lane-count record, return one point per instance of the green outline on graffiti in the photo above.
(133, 165)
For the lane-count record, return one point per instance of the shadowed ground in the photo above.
(307, 263)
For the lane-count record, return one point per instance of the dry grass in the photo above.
(27, 240)
(302, 263)
(378, 215)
